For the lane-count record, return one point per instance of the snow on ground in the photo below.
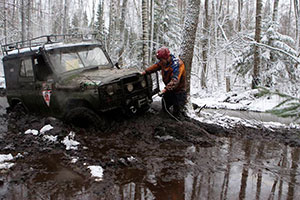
(97, 172)
(240, 102)
(46, 128)
(236, 100)
(2, 82)
(4, 161)
(69, 142)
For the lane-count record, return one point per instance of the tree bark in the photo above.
(189, 36)
(122, 31)
(240, 9)
(256, 67)
(28, 31)
(205, 44)
(23, 22)
(145, 33)
(111, 31)
(275, 11)
(65, 17)
(151, 30)
(5, 22)
(297, 16)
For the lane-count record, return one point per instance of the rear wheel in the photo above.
(85, 118)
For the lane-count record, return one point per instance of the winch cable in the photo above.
(167, 110)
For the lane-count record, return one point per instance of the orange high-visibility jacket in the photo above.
(173, 75)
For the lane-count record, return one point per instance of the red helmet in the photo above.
(163, 52)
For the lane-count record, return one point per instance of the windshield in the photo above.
(69, 59)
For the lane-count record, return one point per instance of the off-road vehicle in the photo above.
(75, 81)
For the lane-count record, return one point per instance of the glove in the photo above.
(161, 93)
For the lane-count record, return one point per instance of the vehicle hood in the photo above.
(98, 77)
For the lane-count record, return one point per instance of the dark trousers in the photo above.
(177, 100)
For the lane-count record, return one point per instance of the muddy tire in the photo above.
(85, 118)
(17, 111)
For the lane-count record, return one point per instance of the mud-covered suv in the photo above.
(75, 81)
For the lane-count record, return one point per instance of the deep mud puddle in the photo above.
(235, 169)
(146, 158)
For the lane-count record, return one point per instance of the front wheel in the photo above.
(85, 118)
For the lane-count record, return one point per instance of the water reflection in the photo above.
(238, 170)
(235, 169)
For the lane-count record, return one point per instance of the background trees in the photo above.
(227, 44)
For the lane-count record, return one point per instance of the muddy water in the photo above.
(250, 115)
(236, 169)
(147, 166)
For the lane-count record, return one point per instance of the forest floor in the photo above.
(150, 156)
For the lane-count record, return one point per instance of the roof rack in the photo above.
(46, 39)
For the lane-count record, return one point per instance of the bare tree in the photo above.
(189, 35)
(65, 17)
(5, 22)
(23, 22)
(29, 34)
(205, 44)
(275, 11)
(240, 10)
(297, 15)
(123, 38)
(145, 33)
(255, 78)
(112, 22)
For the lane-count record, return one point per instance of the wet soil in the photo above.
(150, 156)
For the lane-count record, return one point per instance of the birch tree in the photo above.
(23, 22)
(188, 37)
(123, 35)
(297, 15)
(145, 33)
(205, 44)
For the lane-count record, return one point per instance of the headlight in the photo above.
(110, 90)
(143, 83)
(129, 87)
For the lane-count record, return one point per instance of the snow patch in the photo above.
(50, 138)
(74, 160)
(6, 157)
(3, 161)
(69, 142)
(46, 128)
(32, 131)
(2, 82)
(97, 172)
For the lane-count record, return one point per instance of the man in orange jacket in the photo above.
(174, 77)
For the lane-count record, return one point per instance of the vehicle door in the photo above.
(29, 89)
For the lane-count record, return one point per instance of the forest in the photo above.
(246, 43)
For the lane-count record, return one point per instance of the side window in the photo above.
(26, 68)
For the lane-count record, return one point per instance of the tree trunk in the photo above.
(275, 11)
(29, 35)
(151, 30)
(122, 30)
(65, 17)
(5, 22)
(256, 67)
(205, 44)
(189, 36)
(23, 22)
(216, 15)
(145, 33)
(297, 15)
(240, 9)
(111, 28)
